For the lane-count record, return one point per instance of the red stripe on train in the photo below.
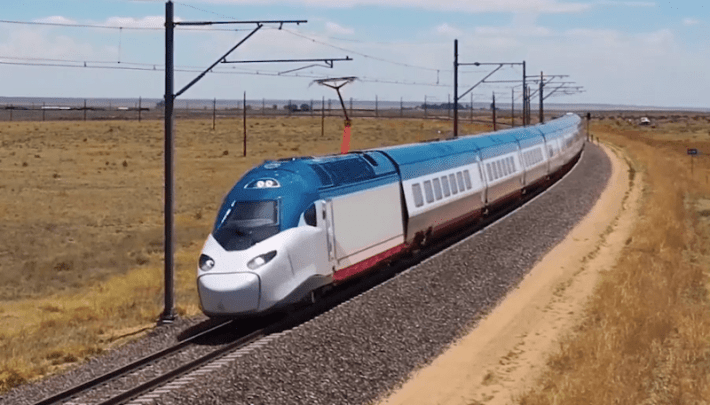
(366, 264)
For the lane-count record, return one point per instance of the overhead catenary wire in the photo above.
(160, 68)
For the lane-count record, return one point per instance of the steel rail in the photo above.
(185, 368)
(112, 375)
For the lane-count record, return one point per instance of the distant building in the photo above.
(644, 121)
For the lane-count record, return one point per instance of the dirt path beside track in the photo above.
(503, 355)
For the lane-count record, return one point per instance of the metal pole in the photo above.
(263, 106)
(512, 108)
(471, 107)
(214, 113)
(425, 108)
(140, 108)
(495, 127)
(289, 108)
(322, 118)
(351, 106)
(542, 114)
(456, 88)
(84, 110)
(244, 118)
(401, 107)
(525, 108)
(43, 110)
(168, 315)
(311, 107)
(11, 108)
(377, 113)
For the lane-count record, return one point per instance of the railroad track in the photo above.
(232, 338)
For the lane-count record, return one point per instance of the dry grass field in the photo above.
(645, 336)
(81, 221)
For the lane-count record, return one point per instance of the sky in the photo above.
(641, 53)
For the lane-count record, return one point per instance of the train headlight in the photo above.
(206, 263)
(261, 260)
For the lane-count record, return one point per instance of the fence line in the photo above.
(142, 109)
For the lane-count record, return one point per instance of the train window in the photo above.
(309, 216)
(445, 186)
(459, 176)
(495, 170)
(428, 192)
(437, 189)
(500, 168)
(509, 161)
(512, 162)
(417, 191)
(490, 174)
(452, 181)
(467, 179)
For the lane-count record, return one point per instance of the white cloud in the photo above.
(130, 22)
(627, 3)
(690, 21)
(57, 19)
(333, 28)
(447, 30)
(468, 6)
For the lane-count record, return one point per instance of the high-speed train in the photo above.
(292, 227)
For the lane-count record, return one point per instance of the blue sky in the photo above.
(652, 53)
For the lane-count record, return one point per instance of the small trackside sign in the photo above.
(692, 151)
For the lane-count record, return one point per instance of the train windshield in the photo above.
(247, 223)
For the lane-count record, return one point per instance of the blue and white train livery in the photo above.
(291, 227)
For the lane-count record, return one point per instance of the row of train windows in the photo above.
(441, 188)
(500, 168)
(532, 157)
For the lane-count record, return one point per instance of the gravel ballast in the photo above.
(367, 346)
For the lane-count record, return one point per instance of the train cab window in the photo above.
(437, 189)
(247, 223)
(452, 181)
(309, 216)
(490, 174)
(501, 173)
(417, 192)
(459, 177)
(428, 192)
(445, 186)
(467, 179)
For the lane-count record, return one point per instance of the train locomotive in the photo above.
(292, 227)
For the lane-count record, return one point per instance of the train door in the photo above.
(325, 222)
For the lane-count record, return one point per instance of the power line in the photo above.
(113, 27)
(51, 24)
(146, 67)
(364, 55)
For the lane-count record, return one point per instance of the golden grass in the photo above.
(645, 337)
(81, 225)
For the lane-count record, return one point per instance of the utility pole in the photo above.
(457, 64)
(456, 88)
(542, 84)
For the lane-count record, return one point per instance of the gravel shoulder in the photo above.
(504, 353)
